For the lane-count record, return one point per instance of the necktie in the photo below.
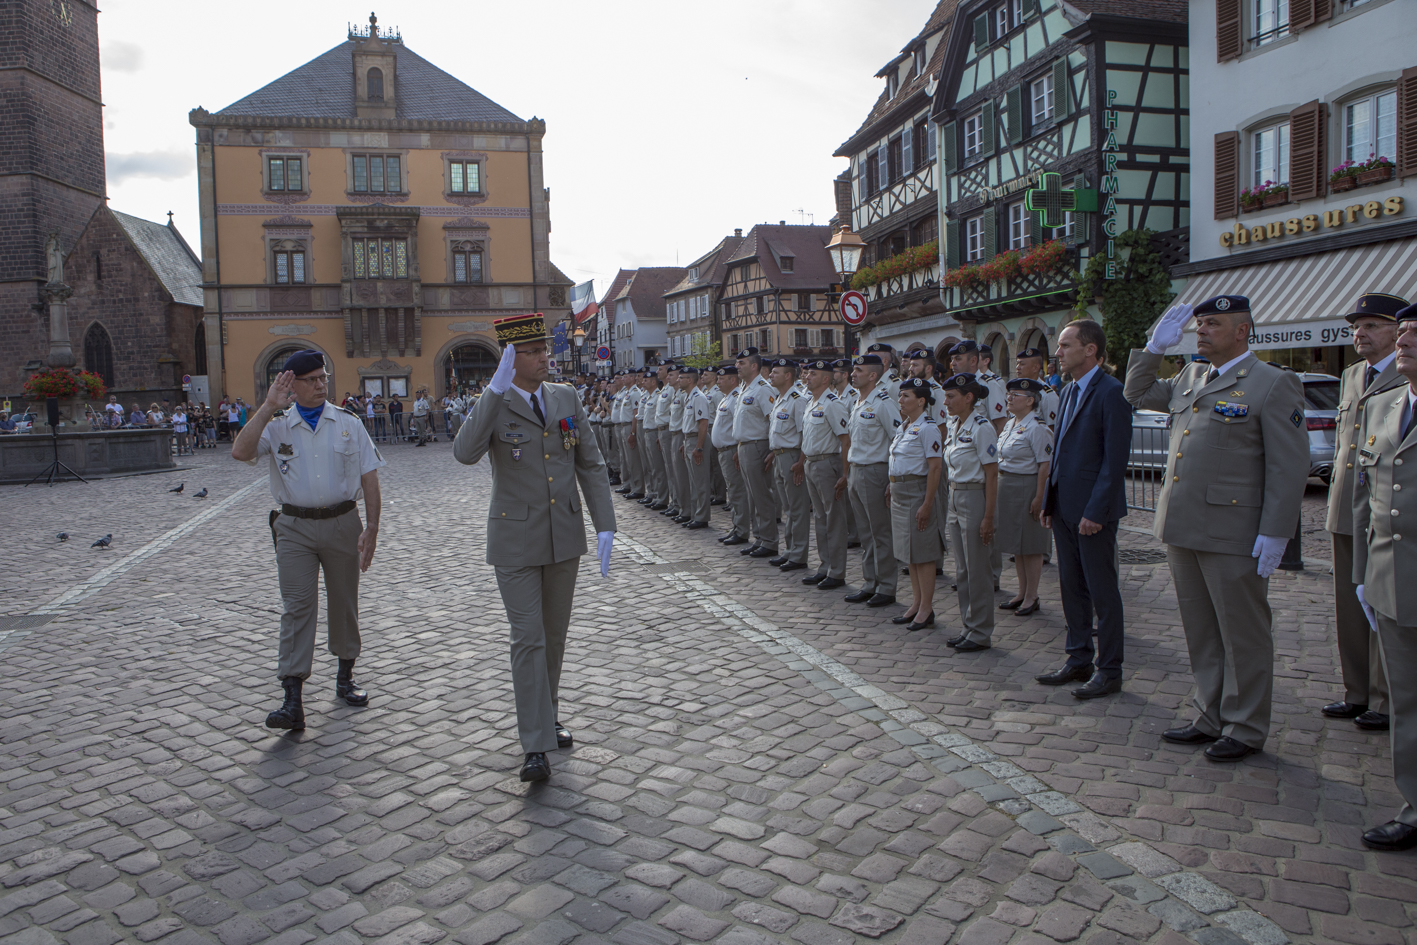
(1212, 376)
(536, 405)
(1411, 422)
(1069, 403)
(1368, 376)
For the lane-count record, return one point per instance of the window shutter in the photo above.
(988, 129)
(990, 236)
(907, 160)
(1407, 123)
(952, 237)
(883, 171)
(1229, 30)
(1030, 8)
(1014, 106)
(1308, 151)
(1227, 175)
(1062, 89)
(981, 32)
(951, 146)
(1306, 13)
(814, 337)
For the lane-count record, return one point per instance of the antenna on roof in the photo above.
(806, 217)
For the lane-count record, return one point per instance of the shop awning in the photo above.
(1299, 302)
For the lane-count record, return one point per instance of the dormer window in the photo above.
(374, 84)
(892, 84)
(920, 61)
(786, 263)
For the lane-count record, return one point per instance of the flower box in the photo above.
(1276, 197)
(1375, 176)
(1251, 206)
(797, 350)
(1346, 182)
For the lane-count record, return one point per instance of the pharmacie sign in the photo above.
(1349, 216)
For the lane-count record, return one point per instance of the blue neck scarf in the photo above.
(311, 415)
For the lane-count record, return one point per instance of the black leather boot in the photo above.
(291, 715)
(345, 686)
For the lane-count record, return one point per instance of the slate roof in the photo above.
(171, 259)
(324, 88)
(1167, 11)
(710, 265)
(646, 289)
(812, 264)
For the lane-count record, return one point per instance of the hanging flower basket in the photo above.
(64, 384)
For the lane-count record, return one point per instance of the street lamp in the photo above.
(578, 336)
(845, 249)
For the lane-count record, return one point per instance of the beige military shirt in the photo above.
(1025, 445)
(824, 423)
(785, 428)
(318, 468)
(754, 410)
(723, 415)
(992, 407)
(676, 411)
(1048, 404)
(696, 407)
(970, 445)
(873, 424)
(914, 445)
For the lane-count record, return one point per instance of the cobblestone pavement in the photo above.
(756, 761)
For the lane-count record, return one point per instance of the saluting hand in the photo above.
(1168, 331)
(506, 370)
(282, 392)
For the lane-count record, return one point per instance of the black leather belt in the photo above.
(331, 511)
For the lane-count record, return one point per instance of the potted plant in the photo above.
(72, 388)
(1268, 194)
(1276, 195)
(1375, 170)
(1343, 177)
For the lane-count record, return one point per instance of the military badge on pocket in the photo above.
(1231, 410)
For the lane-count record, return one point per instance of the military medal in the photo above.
(570, 436)
(285, 450)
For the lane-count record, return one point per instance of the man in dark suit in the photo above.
(1086, 498)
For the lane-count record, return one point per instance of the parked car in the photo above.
(24, 422)
(1151, 429)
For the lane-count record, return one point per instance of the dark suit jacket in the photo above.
(1089, 474)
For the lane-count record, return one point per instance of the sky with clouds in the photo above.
(668, 123)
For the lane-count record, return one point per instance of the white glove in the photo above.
(603, 543)
(1367, 609)
(1269, 550)
(1167, 333)
(506, 370)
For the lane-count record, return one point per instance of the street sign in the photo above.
(602, 353)
(853, 307)
(186, 382)
(552, 366)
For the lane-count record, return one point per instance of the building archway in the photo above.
(1003, 364)
(466, 360)
(269, 362)
(98, 353)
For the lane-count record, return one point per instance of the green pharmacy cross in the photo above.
(1051, 202)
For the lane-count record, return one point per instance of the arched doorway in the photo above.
(98, 353)
(1035, 338)
(1003, 362)
(468, 364)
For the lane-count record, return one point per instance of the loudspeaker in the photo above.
(51, 404)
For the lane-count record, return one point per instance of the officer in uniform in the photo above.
(789, 473)
(1385, 566)
(322, 461)
(664, 435)
(718, 486)
(1239, 458)
(892, 377)
(841, 384)
(825, 444)
(1365, 690)
(873, 424)
(678, 509)
(422, 415)
(1031, 363)
(535, 527)
(964, 359)
(725, 448)
(697, 455)
(647, 439)
(972, 460)
(750, 429)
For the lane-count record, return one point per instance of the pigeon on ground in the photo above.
(103, 542)
(62, 536)
(200, 495)
(180, 487)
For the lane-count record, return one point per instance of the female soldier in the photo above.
(915, 478)
(971, 456)
(1025, 452)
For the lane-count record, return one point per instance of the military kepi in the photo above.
(1223, 304)
(1377, 305)
(521, 329)
(303, 362)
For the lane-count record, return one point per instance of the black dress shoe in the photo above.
(695, 526)
(646, 502)
(1392, 837)
(860, 597)
(1011, 604)
(1066, 675)
(536, 767)
(624, 491)
(1030, 609)
(829, 583)
(779, 561)
(969, 646)
(793, 566)
(735, 540)
(853, 544)
(1371, 721)
(682, 520)
(902, 621)
(814, 579)
(659, 507)
(1098, 686)
(880, 600)
(670, 512)
(956, 641)
(1187, 735)
(1344, 710)
(346, 688)
(635, 495)
(921, 624)
(717, 502)
(761, 552)
(748, 551)
(722, 538)
(291, 714)
(1228, 749)
(563, 736)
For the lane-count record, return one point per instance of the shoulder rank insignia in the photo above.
(351, 411)
(278, 413)
(795, 395)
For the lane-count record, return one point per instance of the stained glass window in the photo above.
(380, 259)
(359, 259)
(401, 259)
(388, 259)
(392, 179)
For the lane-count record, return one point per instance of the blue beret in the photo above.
(919, 387)
(1223, 303)
(1026, 384)
(869, 359)
(303, 362)
(965, 347)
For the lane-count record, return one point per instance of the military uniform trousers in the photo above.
(1225, 613)
(751, 458)
(630, 458)
(718, 485)
(795, 504)
(304, 546)
(736, 490)
(867, 488)
(828, 513)
(1364, 681)
(700, 479)
(1399, 657)
(682, 500)
(974, 579)
(538, 601)
(654, 463)
(609, 446)
(671, 478)
(420, 428)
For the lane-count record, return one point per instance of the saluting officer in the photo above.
(789, 473)
(726, 453)
(750, 429)
(1385, 566)
(1238, 460)
(825, 443)
(322, 461)
(972, 460)
(873, 424)
(1365, 689)
(694, 433)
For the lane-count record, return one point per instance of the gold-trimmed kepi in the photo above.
(521, 329)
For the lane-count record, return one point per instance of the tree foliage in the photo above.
(1130, 304)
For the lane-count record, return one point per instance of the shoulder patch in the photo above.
(1297, 417)
(831, 396)
(795, 395)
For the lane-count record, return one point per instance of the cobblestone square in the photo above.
(755, 761)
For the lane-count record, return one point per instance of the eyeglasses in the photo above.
(318, 379)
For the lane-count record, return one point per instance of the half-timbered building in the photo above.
(890, 197)
(689, 305)
(776, 293)
(639, 332)
(1061, 122)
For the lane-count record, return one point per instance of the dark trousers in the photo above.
(1087, 575)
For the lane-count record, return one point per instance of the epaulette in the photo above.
(1048, 388)
(831, 395)
(349, 410)
(281, 412)
(979, 419)
(795, 395)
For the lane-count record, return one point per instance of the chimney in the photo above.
(738, 232)
(782, 223)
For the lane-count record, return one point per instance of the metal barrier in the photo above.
(1146, 467)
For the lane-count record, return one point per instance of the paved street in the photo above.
(756, 761)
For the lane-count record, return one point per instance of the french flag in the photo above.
(583, 304)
